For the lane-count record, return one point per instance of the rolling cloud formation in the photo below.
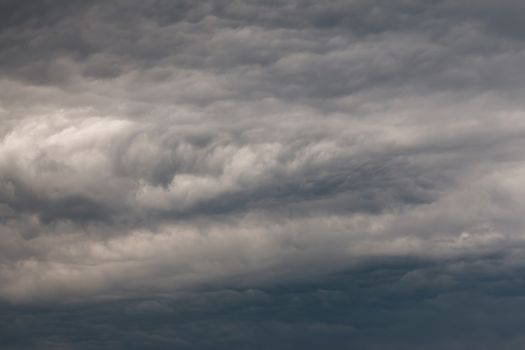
(262, 174)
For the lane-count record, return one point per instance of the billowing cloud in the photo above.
(254, 174)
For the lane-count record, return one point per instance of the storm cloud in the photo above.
(262, 174)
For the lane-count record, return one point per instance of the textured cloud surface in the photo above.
(262, 174)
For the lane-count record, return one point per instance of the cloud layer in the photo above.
(283, 174)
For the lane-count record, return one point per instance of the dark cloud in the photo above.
(261, 174)
(401, 302)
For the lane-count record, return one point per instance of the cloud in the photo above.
(278, 173)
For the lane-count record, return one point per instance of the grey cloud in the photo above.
(385, 301)
(255, 174)
(177, 34)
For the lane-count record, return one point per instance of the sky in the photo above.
(343, 174)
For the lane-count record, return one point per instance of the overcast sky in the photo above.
(262, 174)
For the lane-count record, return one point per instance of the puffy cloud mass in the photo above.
(261, 174)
